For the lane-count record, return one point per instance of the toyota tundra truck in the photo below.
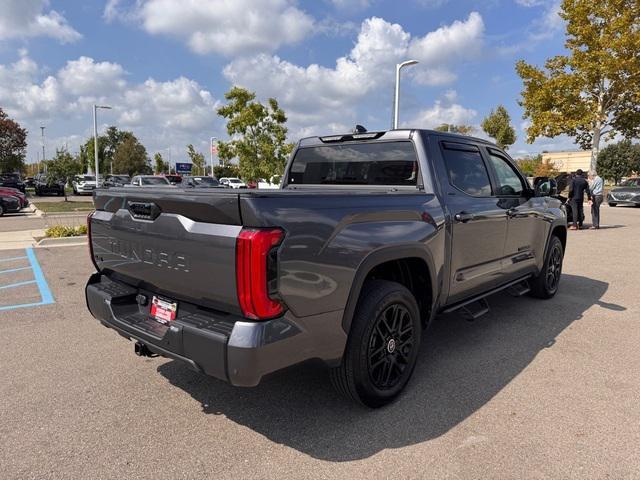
(370, 236)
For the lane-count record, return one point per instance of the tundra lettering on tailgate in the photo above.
(149, 255)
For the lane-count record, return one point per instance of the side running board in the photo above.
(477, 306)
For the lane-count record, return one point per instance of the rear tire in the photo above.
(383, 345)
(1, 210)
(545, 285)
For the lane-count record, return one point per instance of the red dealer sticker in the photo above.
(164, 311)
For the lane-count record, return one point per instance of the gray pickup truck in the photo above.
(370, 237)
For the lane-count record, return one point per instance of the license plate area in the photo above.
(163, 310)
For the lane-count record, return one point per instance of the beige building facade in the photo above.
(569, 161)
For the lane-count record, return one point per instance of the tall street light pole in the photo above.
(211, 152)
(95, 140)
(43, 157)
(396, 103)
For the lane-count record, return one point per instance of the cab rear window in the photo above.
(373, 163)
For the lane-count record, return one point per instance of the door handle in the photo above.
(463, 217)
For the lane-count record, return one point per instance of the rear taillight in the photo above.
(93, 259)
(255, 270)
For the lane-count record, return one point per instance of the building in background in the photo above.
(569, 161)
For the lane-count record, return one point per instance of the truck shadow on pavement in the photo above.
(461, 367)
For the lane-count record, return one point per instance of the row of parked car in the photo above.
(12, 193)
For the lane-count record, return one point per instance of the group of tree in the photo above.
(13, 144)
(119, 151)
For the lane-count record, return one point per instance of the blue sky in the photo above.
(164, 65)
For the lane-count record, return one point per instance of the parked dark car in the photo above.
(14, 192)
(200, 182)
(12, 180)
(116, 181)
(9, 204)
(371, 236)
(29, 182)
(628, 193)
(44, 185)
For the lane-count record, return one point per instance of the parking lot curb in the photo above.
(62, 242)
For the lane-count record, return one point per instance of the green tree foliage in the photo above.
(197, 159)
(87, 154)
(228, 170)
(131, 157)
(594, 90)
(107, 146)
(498, 126)
(63, 166)
(619, 160)
(13, 144)
(159, 165)
(259, 135)
(450, 127)
(529, 164)
(545, 169)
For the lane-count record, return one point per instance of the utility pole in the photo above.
(95, 139)
(396, 104)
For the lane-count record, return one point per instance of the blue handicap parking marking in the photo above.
(46, 298)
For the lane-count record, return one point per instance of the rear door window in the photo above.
(466, 169)
(374, 163)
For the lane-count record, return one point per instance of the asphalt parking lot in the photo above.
(534, 389)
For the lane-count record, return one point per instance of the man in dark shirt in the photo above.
(578, 187)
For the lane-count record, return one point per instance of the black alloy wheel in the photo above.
(554, 267)
(390, 346)
(383, 345)
(545, 284)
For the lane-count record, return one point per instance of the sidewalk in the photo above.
(35, 238)
(20, 239)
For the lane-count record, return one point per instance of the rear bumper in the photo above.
(220, 345)
(85, 189)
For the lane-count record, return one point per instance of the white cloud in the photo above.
(220, 26)
(84, 76)
(162, 114)
(27, 18)
(438, 114)
(316, 95)
(547, 25)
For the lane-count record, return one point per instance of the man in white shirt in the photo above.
(596, 187)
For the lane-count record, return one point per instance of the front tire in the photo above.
(383, 345)
(545, 285)
(1, 210)
(612, 204)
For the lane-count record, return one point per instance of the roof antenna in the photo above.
(359, 129)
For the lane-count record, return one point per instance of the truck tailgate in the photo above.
(180, 244)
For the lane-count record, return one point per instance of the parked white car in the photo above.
(83, 184)
(272, 184)
(233, 182)
(149, 181)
